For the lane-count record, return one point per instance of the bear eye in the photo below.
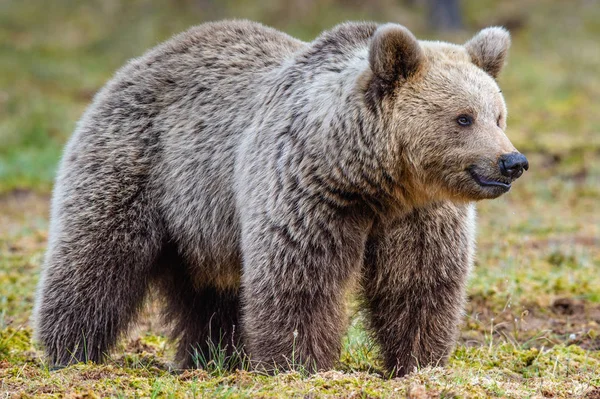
(498, 120)
(464, 120)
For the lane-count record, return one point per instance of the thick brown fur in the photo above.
(254, 179)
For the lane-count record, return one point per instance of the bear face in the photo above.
(447, 113)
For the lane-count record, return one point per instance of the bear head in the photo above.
(444, 113)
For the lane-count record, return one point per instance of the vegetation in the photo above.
(531, 326)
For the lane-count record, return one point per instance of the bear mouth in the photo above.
(485, 182)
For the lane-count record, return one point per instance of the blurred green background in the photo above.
(54, 55)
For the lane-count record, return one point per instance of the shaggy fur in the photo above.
(254, 179)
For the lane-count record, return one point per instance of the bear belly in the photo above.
(207, 239)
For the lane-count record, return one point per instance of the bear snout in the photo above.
(513, 164)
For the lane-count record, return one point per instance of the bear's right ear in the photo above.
(394, 53)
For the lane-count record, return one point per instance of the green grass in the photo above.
(532, 324)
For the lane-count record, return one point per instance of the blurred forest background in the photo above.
(532, 325)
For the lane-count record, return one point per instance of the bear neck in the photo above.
(322, 104)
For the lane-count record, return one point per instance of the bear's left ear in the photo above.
(394, 53)
(488, 49)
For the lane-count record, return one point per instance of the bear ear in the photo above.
(488, 49)
(394, 53)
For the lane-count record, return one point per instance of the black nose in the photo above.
(512, 165)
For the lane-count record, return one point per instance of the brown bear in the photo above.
(253, 179)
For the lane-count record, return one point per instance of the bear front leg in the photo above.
(297, 271)
(416, 268)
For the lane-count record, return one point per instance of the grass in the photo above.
(532, 323)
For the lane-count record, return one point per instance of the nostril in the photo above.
(517, 173)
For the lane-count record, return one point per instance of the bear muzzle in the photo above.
(494, 181)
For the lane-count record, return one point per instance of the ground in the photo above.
(531, 327)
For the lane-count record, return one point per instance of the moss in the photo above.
(14, 344)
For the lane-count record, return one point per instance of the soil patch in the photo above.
(564, 321)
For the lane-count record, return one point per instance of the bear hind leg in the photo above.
(204, 320)
(94, 283)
